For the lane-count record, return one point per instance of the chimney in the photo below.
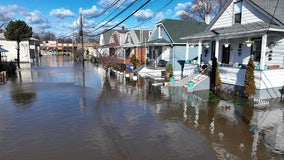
(207, 18)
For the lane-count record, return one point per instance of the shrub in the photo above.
(169, 69)
(9, 67)
(134, 61)
(249, 79)
(216, 80)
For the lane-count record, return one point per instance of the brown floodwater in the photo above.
(58, 109)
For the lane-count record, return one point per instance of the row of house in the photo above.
(243, 28)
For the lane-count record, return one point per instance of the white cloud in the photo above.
(8, 13)
(105, 3)
(144, 14)
(160, 16)
(61, 13)
(168, 12)
(35, 17)
(90, 12)
(181, 12)
(182, 6)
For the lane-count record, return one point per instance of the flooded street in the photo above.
(60, 110)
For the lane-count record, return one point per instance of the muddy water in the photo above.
(59, 110)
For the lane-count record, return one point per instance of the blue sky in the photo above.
(62, 16)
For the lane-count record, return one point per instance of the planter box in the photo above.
(273, 67)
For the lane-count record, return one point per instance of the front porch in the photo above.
(268, 83)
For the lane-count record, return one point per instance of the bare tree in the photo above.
(49, 36)
(199, 9)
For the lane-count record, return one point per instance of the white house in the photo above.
(29, 50)
(245, 28)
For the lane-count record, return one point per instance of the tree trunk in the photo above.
(18, 54)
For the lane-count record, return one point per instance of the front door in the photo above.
(226, 55)
(213, 48)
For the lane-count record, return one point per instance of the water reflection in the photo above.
(83, 113)
(227, 125)
(234, 128)
(23, 95)
(267, 125)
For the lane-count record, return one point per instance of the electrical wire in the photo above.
(273, 14)
(121, 4)
(106, 9)
(143, 5)
(147, 20)
(116, 15)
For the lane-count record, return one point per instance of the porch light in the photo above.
(249, 43)
(192, 45)
(226, 44)
(206, 45)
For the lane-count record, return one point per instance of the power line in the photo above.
(125, 18)
(273, 14)
(147, 20)
(117, 15)
(121, 4)
(106, 9)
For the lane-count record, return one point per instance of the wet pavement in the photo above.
(59, 110)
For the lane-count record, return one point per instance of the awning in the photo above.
(3, 50)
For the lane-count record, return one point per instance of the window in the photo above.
(256, 49)
(238, 11)
(128, 39)
(160, 31)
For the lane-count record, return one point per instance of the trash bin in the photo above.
(190, 84)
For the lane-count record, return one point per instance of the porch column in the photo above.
(217, 49)
(199, 52)
(263, 50)
(187, 51)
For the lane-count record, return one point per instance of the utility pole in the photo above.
(82, 35)
(73, 54)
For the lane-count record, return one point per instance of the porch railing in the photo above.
(282, 92)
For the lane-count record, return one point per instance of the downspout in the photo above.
(263, 50)
(187, 51)
(217, 49)
(199, 52)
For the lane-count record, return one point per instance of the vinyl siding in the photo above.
(154, 34)
(177, 54)
(226, 19)
(12, 54)
(249, 15)
(277, 55)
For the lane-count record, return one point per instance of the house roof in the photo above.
(115, 43)
(272, 7)
(142, 35)
(251, 29)
(158, 41)
(106, 35)
(180, 28)
(269, 7)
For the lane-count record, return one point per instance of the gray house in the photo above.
(165, 43)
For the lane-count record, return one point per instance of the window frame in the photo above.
(238, 14)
